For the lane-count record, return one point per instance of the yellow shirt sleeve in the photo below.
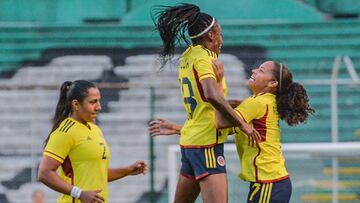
(59, 146)
(204, 69)
(250, 109)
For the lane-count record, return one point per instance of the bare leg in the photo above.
(214, 188)
(187, 190)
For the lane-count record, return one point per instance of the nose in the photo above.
(98, 107)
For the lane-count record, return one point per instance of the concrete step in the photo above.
(327, 184)
(343, 171)
(346, 197)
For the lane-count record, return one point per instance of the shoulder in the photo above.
(266, 98)
(254, 99)
(66, 126)
(203, 53)
(251, 104)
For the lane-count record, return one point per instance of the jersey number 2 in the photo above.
(185, 83)
(104, 155)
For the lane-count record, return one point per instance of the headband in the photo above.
(204, 31)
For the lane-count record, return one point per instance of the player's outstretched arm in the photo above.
(162, 126)
(139, 167)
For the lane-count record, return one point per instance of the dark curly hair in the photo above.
(291, 98)
(172, 22)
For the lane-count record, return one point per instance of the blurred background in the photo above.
(113, 43)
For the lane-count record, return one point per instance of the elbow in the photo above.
(219, 121)
(220, 125)
(41, 176)
(212, 98)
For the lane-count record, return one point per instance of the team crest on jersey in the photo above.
(221, 160)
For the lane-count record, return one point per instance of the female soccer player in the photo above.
(203, 164)
(275, 96)
(77, 149)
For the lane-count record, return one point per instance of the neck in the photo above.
(264, 91)
(78, 118)
(208, 46)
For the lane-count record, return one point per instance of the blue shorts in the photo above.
(197, 163)
(278, 192)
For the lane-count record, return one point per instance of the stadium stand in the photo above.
(348, 9)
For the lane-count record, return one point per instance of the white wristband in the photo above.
(76, 192)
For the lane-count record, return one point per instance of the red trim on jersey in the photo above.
(68, 171)
(260, 125)
(199, 86)
(67, 168)
(242, 116)
(54, 154)
(254, 162)
(206, 74)
(198, 146)
(202, 176)
(187, 176)
(273, 180)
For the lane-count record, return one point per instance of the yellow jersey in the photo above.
(263, 163)
(84, 156)
(199, 129)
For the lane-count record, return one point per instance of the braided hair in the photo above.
(291, 98)
(172, 22)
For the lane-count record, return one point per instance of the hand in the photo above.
(138, 167)
(253, 135)
(91, 196)
(218, 68)
(162, 127)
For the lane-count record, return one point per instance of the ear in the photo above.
(273, 84)
(75, 105)
(211, 35)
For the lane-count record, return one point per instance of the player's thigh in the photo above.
(187, 190)
(214, 188)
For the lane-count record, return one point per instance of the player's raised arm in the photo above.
(162, 126)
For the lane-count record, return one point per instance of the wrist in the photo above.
(75, 192)
(176, 128)
(129, 170)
